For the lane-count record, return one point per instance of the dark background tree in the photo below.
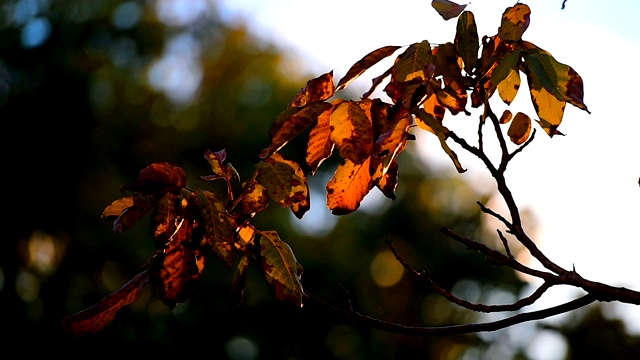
(89, 96)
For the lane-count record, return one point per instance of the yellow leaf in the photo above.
(447, 9)
(550, 110)
(515, 21)
(519, 129)
(349, 185)
(506, 77)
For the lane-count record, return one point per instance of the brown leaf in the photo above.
(281, 268)
(431, 123)
(163, 218)
(157, 177)
(318, 89)
(447, 9)
(142, 204)
(240, 279)
(365, 63)
(180, 267)
(411, 64)
(285, 182)
(96, 317)
(218, 224)
(255, 198)
(116, 208)
(293, 126)
(506, 117)
(349, 185)
(520, 128)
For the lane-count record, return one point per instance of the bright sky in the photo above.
(582, 187)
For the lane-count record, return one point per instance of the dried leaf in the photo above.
(349, 185)
(240, 279)
(163, 218)
(95, 318)
(142, 204)
(365, 63)
(431, 123)
(255, 198)
(157, 177)
(281, 269)
(218, 225)
(318, 89)
(447, 9)
(506, 117)
(520, 128)
(351, 132)
(116, 208)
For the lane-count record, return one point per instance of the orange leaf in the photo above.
(506, 117)
(320, 146)
(519, 129)
(218, 225)
(142, 204)
(352, 132)
(96, 317)
(163, 218)
(117, 207)
(365, 63)
(157, 177)
(447, 9)
(349, 185)
(255, 198)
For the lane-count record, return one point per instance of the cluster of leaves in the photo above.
(424, 82)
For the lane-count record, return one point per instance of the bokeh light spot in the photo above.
(386, 270)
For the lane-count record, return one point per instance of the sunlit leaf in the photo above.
(375, 82)
(281, 268)
(429, 122)
(520, 128)
(293, 126)
(320, 146)
(95, 318)
(466, 41)
(506, 77)
(117, 207)
(318, 89)
(410, 64)
(216, 160)
(449, 64)
(550, 110)
(515, 21)
(447, 9)
(245, 236)
(348, 187)
(351, 132)
(285, 182)
(390, 140)
(365, 63)
(389, 181)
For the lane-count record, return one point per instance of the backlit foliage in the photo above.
(424, 82)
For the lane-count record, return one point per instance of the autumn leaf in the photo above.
(163, 218)
(447, 9)
(117, 207)
(217, 223)
(318, 89)
(375, 82)
(349, 185)
(389, 180)
(410, 64)
(505, 117)
(157, 177)
(389, 141)
(281, 269)
(365, 63)
(515, 21)
(220, 169)
(351, 132)
(95, 318)
(293, 126)
(255, 198)
(180, 268)
(466, 41)
(519, 129)
(142, 204)
(285, 182)
(319, 145)
(431, 123)
(506, 77)
(240, 279)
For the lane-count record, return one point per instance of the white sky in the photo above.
(582, 187)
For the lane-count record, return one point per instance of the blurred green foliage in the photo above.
(93, 91)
